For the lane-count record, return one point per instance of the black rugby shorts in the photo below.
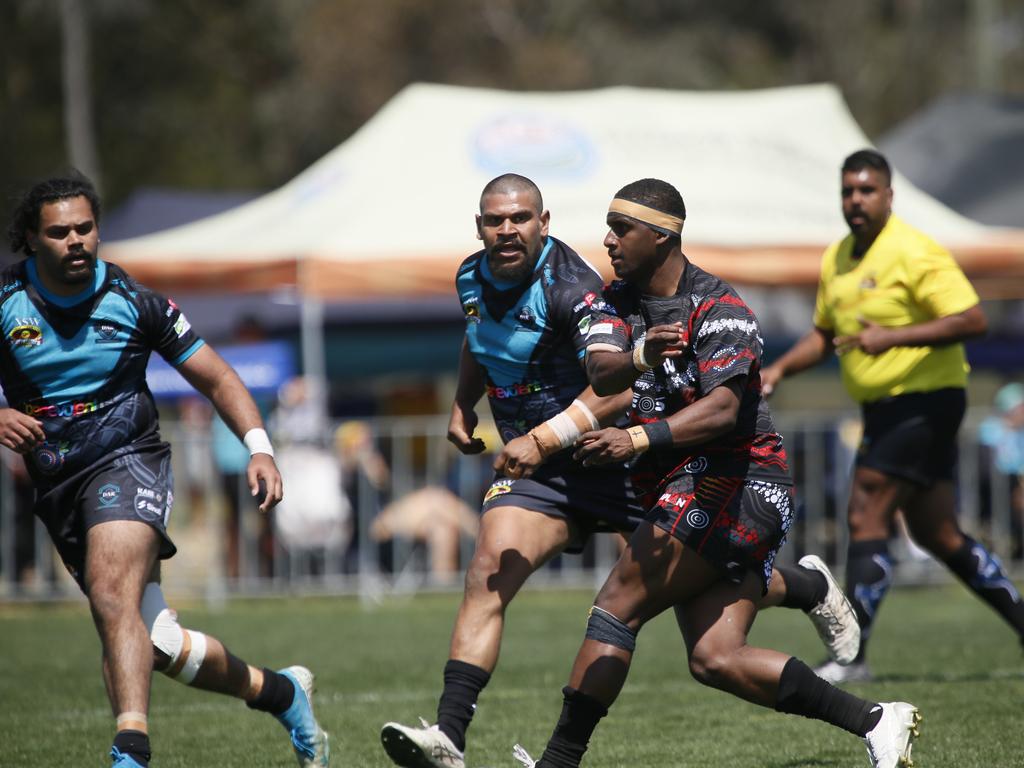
(134, 486)
(913, 436)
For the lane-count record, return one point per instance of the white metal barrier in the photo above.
(418, 456)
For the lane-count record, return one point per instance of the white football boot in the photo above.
(834, 617)
(426, 747)
(890, 741)
(523, 756)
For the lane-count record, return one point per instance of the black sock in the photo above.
(580, 715)
(462, 684)
(801, 692)
(868, 578)
(276, 695)
(805, 587)
(135, 744)
(983, 573)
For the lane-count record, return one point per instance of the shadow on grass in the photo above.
(948, 677)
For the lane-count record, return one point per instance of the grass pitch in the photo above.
(937, 647)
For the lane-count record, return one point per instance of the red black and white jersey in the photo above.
(724, 342)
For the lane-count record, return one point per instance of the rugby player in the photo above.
(713, 475)
(896, 308)
(78, 333)
(528, 300)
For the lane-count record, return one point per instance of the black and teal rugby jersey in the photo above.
(78, 365)
(530, 337)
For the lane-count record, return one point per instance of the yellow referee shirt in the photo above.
(905, 278)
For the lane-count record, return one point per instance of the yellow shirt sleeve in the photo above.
(822, 306)
(940, 286)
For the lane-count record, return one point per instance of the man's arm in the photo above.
(810, 350)
(219, 383)
(470, 388)
(875, 339)
(709, 417)
(611, 372)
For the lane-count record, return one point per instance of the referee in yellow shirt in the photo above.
(895, 307)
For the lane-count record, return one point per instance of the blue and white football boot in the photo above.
(309, 740)
(123, 759)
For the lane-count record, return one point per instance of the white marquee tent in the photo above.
(389, 213)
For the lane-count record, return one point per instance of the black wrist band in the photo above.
(659, 433)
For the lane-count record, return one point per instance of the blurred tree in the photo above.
(246, 94)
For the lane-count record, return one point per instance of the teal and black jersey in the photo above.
(530, 337)
(78, 365)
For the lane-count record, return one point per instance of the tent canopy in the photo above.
(389, 213)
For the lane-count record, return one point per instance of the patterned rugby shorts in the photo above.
(132, 486)
(735, 523)
(594, 500)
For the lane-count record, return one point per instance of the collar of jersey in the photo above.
(504, 286)
(66, 301)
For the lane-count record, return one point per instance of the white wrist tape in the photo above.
(257, 441)
(561, 431)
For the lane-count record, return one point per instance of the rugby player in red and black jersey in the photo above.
(713, 471)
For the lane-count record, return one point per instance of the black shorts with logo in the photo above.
(913, 436)
(131, 486)
(735, 523)
(595, 499)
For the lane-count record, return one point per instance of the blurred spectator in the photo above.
(231, 458)
(434, 517)
(314, 515)
(1003, 435)
(23, 520)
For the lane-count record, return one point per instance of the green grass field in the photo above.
(938, 648)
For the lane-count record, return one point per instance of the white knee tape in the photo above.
(185, 648)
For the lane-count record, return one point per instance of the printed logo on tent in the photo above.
(535, 145)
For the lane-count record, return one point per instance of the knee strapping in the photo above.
(185, 648)
(606, 628)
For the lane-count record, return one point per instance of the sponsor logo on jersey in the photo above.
(584, 324)
(527, 316)
(49, 457)
(498, 487)
(109, 495)
(171, 307)
(471, 309)
(182, 325)
(599, 329)
(26, 333)
(64, 409)
(515, 390)
(106, 331)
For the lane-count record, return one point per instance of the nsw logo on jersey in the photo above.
(26, 332)
(107, 331)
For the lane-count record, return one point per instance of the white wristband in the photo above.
(257, 441)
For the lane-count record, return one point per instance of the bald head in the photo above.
(512, 184)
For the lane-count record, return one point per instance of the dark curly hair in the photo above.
(26, 213)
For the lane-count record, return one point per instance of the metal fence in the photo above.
(386, 537)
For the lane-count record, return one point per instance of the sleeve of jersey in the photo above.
(168, 330)
(579, 310)
(606, 332)
(940, 285)
(727, 341)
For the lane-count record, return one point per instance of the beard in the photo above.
(517, 272)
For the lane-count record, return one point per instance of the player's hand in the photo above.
(265, 481)
(19, 431)
(662, 342)
(460, 430)
(873, 339)
(605, 446)
(519, 458)
(770, 378)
